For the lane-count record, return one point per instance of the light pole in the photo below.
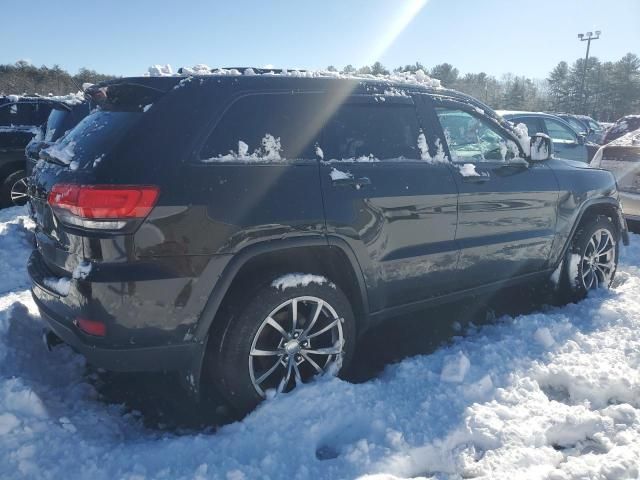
(586, 38)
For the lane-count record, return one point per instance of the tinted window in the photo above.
(55, 124)
(378, 130)
(95, 135)
(293, 119)
(7, 114)
(558, 132)
(472, 138)
(24, 113)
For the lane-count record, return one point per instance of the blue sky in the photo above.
(495, 36)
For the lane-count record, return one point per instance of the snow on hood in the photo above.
(412, 78)
(553, 394)
(631, 139)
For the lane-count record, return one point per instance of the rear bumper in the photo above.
(146, 359)
(142, 334)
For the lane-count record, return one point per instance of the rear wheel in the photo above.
(13, 190)
(282, 339)
(592, 259)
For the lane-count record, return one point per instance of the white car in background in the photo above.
(622, 158)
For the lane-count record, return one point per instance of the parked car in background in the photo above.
(20, 121)
(622, 157)
(623, 126)
(567, 143)
(587, 126)
(244, 230)
(63, 117)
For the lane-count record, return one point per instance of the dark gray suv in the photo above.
(245, 229)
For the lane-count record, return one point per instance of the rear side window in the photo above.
(268, 127)
(372, 130)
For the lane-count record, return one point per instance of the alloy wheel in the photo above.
(299, 339)
(599, 260)
(18, 192)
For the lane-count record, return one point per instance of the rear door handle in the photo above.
(351, 182)
(476, 178)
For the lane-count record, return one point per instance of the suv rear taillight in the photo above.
(102, 207)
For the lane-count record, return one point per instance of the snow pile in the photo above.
(410, 78)
(160, 71)
(550, 395)
(631, 139)
(63, 152)
(292, 280)
(269, 151)
(468, 170)
(522, 133)
(423, 147)
(336, 174)
(70, 99)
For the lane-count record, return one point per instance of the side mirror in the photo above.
(541, 147)
(581, 139)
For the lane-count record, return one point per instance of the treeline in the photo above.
(611, 89)
(25, 78)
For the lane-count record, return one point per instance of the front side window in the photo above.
(375, 131)
(267, 127)
(558, 132)
(472, 138)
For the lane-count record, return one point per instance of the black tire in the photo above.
(573, 284)
(6, 188)
(228, 356)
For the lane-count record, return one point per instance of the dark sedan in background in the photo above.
(567, 143)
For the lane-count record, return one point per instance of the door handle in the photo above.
(356, 183)
(476, 179)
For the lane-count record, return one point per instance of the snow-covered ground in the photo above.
(553, 395)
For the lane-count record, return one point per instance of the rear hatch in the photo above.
(70, 199)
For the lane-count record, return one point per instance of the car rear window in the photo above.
(93, 137)
(54, 124)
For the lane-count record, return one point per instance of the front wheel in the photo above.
(281, 339)
(592, 259)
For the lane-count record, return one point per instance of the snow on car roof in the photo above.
(69, 99)
(412, 78)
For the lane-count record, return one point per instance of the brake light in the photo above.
(102, 206)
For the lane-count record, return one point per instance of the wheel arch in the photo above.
(305, 255)
(598, 206)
